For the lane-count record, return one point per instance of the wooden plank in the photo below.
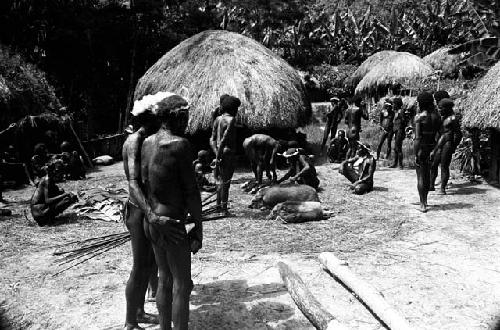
(370, 297)
(320, 318)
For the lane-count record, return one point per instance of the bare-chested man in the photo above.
(223, 143)
(401, 119)
(353, 118)
(427, 124)
(301, 169)
(261, 150)
(49, 200)
(359, 170)
(172, 192)
(144, 267)
(387, 126)
(451, 135)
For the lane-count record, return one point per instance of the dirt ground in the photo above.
(440, 269)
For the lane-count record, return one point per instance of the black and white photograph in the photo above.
(250, 164)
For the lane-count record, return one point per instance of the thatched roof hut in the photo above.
(442, 60)
(213, 63)
(24, 89)
(402, 68)
(481, 108)
(369, 64)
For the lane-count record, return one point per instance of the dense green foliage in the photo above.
(24, 89)
(95, 50)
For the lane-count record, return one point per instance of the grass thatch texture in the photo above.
(213, 63)
(24, 89)
(481, 108)
(441, 60)
(369, 64)
(403, 68)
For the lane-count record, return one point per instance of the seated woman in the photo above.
(359, 170)
(49, 200)
(301, 170)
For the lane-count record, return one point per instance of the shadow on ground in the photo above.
(467, 189)
(232, 304)
(452, 206)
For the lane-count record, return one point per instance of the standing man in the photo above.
(401, 118)
(333, 119)
(172, 192)
(387, 125)
(223, 143)
(451, 135)
(353, 118)
(427, 124)
(144, 268)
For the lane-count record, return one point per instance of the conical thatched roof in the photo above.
(213, 63)
(369, 64)
(402, 68)
(442, 60)
(481, 108)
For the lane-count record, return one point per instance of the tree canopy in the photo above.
(93, 51)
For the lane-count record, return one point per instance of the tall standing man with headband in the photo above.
(172, 192)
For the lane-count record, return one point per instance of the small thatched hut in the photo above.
(481, 109)
(442, 60)
(402, 68)
(369, 64)
(213, 63)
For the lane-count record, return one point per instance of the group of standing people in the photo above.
(437, 135)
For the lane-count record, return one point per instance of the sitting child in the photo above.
(201, 167)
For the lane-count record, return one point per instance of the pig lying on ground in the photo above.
(295, 212)
(270, 196)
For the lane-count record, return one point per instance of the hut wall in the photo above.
(109, 145)
(494, 171)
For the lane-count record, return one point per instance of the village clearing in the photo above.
(440, 269)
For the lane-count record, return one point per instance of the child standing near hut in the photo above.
(223, 143)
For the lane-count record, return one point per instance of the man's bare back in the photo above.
(168, 176)
(223, 134)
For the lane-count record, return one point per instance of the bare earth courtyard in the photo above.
(440, 270)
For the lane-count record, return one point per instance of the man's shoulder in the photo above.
(179, 143)
(421, 116)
